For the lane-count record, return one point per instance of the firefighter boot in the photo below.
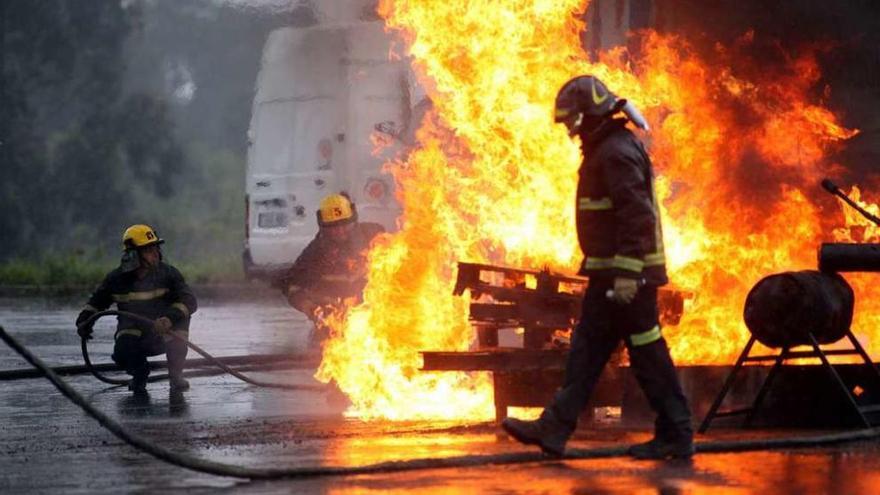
(547, 432)
(178, 383)
(176, 353)
(138, 384)
(658, 448)
(673, 433)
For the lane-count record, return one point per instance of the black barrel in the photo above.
(780, 309)
(836, 257)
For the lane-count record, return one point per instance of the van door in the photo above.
(297, 140)
(379, 109)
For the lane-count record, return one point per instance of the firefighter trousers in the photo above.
(604, 323)
(132, 348)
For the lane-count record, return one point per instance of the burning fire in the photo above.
(738, 154)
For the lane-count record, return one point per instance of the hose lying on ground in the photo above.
(205, 466)
(116, 381)
(282, 361)
(214, 371)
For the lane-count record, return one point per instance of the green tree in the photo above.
(74, 143)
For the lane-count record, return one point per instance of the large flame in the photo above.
(738, 156)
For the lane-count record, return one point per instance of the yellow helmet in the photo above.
(336, 209)
(138, 236)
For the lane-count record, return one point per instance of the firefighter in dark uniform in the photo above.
(332, 268)
(618, 225)
(143, 284)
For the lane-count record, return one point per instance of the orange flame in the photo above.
(738, 158)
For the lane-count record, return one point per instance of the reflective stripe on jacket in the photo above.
(162, 292)
(618, 220)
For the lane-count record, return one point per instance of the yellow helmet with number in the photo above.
(138, 236)
(336, 209)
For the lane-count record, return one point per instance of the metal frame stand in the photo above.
(778, 362)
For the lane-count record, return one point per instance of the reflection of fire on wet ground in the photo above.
(225, 421)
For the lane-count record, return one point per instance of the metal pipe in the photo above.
(846, 257)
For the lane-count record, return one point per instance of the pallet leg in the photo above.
(500, 398)
(500, 412)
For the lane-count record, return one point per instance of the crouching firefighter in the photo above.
(143, 284)
(333, 267)
(618, 226)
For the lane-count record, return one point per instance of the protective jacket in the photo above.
(162, 292)
(618, 220)
(331, 269)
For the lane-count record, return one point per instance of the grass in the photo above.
(216, 269)
(52, 271)
(78, 270)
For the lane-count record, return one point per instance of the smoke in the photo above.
(273, 6)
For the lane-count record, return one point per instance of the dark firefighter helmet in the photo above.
(584, 98)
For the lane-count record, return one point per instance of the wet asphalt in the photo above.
(48, 445)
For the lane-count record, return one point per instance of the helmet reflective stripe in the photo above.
(597, 100)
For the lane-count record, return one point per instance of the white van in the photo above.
(323, 94)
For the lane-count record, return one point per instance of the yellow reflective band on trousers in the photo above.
(645, 338)
(146, 295)
(588, 204)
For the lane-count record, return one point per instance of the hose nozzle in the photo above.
(830, 186)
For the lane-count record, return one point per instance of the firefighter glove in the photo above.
(162, 325)
(625, 289)
(84, 331)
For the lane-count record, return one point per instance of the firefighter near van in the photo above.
(618, 227)
(145, 285)
(332, 268)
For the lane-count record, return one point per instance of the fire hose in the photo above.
(220, 469)
(199, 366)
(199, 350)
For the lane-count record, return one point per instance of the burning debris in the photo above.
(546, 307)
(540, 303)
